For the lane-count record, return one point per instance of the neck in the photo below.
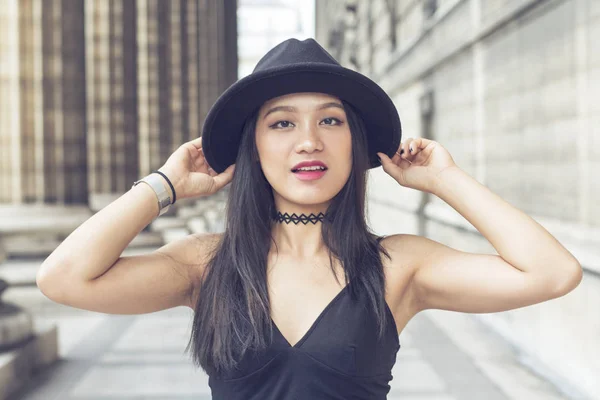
(299, 235)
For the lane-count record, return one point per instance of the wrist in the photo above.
(169, 186)
(442, 179)
(160, 190)
(150, 199)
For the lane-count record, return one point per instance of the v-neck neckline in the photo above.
(315, 323)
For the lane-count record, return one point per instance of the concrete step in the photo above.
(18, 366)
(170, 235)
(35, 219)
(167, 222)
(36, 246)
(19, 272)
(198, 225)
(22, 267)
(147, 239)
(35, 230)
(32, 246)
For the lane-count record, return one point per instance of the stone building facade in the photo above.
(95, 94)
(262, 24)
(507, 87)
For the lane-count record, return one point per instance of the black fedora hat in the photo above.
(295, 66)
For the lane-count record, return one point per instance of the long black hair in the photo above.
(232, 313)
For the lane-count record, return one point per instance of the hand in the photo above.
(420, 167)
(190, 173)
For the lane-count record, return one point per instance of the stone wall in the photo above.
(507, 88)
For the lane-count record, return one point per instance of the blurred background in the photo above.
(95, 94)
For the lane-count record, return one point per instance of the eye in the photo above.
(332, 119)
(275, 125)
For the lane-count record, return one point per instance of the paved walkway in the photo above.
(444, 356)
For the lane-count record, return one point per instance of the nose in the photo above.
(309, 140)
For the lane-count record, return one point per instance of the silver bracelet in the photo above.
(156, 182)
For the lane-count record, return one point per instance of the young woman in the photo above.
(297, 299)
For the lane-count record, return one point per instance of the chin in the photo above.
(308, 197)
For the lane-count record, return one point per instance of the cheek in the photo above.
(343, 150)
(267, 148)
(273, 150)
(272, 155)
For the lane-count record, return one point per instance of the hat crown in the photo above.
(294, 51)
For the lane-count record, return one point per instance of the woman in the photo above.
(294, 300)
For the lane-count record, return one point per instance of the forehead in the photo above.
(299, 99)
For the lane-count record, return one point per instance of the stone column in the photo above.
(111, 52)
(42, 102)
(10, 173)
(192, 93)
(150, 52)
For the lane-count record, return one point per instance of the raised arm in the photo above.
(531, 265)
(87, 270)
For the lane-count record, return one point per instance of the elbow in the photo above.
(43, 284)
(47, 282)
(568, 281)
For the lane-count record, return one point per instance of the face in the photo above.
(304, 127)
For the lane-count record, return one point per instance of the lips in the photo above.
(310, 163)
(309, 175)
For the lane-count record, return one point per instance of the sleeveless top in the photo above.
(339, 357)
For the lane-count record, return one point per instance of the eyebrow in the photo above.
(294, 109)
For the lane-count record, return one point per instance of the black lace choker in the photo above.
(305, 219)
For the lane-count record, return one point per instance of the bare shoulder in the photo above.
(409, 247)
(405, 250)
(407, 270)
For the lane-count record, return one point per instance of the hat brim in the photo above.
(222, 130)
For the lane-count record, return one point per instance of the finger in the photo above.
(386, 162)
(200, 162)
(196, 153)
(419, 144)
(423, 142)
(400, 152)
(410, 148)
(197, 143)
(404, 149)
(402, 161)
(414, 146)
(388, 166)
(395, 161)
(405, 164)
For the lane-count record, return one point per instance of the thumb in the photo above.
(224, 177)
(389, 166)
(386, 162)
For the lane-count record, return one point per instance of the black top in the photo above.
(338, 358)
